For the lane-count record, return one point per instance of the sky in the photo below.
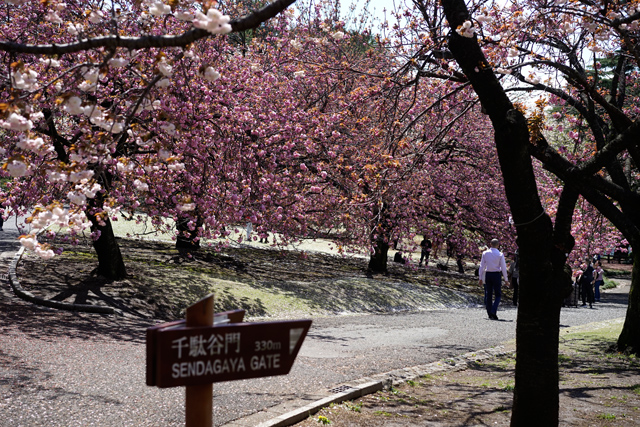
(375, 6)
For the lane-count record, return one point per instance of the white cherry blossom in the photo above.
(211, 74)
(466, 29)
(17, 122)
(184, 16)
(159, 9)
(77, 198)
(73, 105)
(164, 83)
(29, 144)
(17, 168)
(214, 22)
(140, 186)
(30, 241)
(96, 16)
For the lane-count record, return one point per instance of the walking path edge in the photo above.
(360, 388)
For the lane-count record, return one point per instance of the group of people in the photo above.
(493, 269)
(588, 281)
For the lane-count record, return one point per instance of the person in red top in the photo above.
(492, 269)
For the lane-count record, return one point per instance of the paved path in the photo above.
(72, 369)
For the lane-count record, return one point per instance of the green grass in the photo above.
(355, 407)
(606, 416)
(509, 387)
(608, 284)
(591, 338)
(324, 420)
(563, 358)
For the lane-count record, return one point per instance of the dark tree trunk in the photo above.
(187, 238)
(110, 261)
(542, 255)
(380, 239)
(378, 260)
(629, 339)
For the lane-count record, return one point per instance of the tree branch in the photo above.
(145, 42)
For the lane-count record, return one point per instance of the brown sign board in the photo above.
(178, 355)
(232, 316)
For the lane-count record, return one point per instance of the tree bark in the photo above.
(187, 238)
(629, 339)
(110, 261)
(380, 238)
(541, 257)
(378, 260)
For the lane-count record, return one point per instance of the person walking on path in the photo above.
(598, 273)
(514, 275)
(492, 269)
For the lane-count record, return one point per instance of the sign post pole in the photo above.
(206, 348)
(199, 398)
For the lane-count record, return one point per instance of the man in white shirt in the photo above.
(492, 267)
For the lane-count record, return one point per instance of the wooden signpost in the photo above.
(207, 348)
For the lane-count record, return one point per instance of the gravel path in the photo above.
(72, 369)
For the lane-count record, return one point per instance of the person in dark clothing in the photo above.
(399, 258)
(586, 284)
(460, 263)
(425, 250)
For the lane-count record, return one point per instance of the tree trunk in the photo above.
(629, 339)
(536, 399)
(380, 238)
(536, 394)
(378, 260)
(110, 261)
(187, 238)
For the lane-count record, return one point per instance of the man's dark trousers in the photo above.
(492, 285)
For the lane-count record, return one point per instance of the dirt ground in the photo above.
(596, 389)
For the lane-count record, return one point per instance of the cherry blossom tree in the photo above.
(94, 92)
(529, 47)
(592, 46)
